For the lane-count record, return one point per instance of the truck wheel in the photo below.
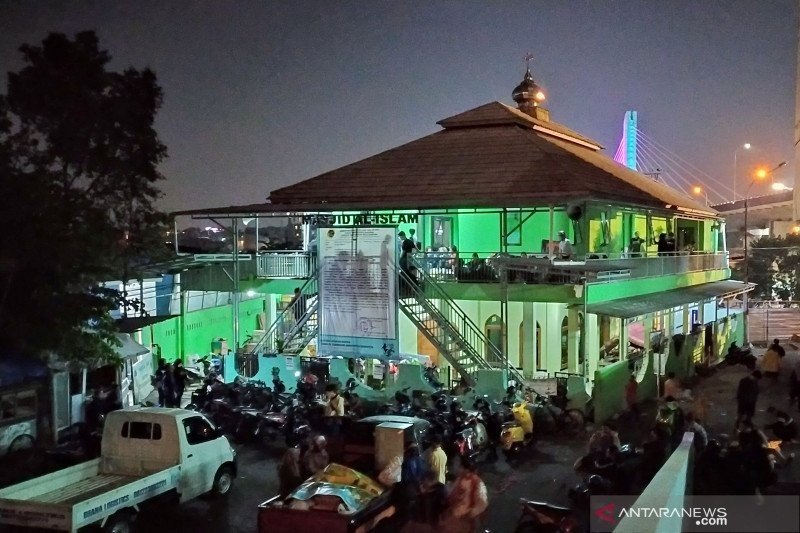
(119, 522)
(223, 482)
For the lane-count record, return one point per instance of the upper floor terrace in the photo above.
(529, 269)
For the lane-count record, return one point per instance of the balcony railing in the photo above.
(653, 266)
(290, 264)
(533, 269)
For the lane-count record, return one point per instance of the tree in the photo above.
(774, 266)
(78, 173)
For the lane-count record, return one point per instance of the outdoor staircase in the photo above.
(423, 301)
(449, 328)
(288, 335)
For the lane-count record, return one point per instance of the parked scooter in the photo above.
(203, 368)
(517, 434)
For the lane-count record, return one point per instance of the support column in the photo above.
(648, 331)
(687, 327)
(623, 339)
(528, 339)
(592, 343)
(552, 235)
(573, 339)
(235, 295)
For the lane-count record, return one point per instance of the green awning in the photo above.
(659, 301)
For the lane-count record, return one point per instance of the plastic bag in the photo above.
(390, 475)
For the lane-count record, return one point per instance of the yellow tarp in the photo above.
(341, 475)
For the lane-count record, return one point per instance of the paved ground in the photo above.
(545, 474)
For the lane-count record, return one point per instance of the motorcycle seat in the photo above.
(545, 505)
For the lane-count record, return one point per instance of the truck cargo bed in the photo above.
(85, 489)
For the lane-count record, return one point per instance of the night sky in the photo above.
(259, 95)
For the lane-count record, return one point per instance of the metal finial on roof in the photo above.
(528, 59)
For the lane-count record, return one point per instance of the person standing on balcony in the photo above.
(672, 246)
(412, 237)
(635, 247)
(663, 245)
(564, 246)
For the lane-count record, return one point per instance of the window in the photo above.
(26, 404)
(7, 410)
(198, 430)
(493, 329)
(21, 404)
(141, 430)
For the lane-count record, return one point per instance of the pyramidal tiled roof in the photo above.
(497, 113)
(490, 156)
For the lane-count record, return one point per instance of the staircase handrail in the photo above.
(298, 326)
(426, 281)
(468, 325)
(282, 315)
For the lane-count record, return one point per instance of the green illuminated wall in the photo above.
(481, 232)
(200, 327)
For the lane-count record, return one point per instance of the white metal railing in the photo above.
(662, 265)
(291, 264)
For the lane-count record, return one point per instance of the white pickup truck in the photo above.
(146, 452)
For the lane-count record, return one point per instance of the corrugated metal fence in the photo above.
(769, 320)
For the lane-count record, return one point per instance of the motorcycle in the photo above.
(517, 434)
(470, 437)
(402, 404)
(739, 356)
(78, 444)
(203, 367)
(544, 517)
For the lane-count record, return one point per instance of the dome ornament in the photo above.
(528, 95)
(528, 59)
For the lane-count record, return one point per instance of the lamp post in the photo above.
(699, 190)
(746, 146)
(760, 175)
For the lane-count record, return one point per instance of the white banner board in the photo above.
(358, 291)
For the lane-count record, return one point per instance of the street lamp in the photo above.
(746, 146)
(698, 190)
(760, 175)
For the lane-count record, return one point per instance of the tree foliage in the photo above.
(78, 174)
(774, 266)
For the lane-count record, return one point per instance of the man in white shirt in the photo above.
(564, 246)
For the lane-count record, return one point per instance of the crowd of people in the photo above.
(743, 462)
(170, 382)
(423, 494)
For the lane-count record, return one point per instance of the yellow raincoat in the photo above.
(770, 361)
